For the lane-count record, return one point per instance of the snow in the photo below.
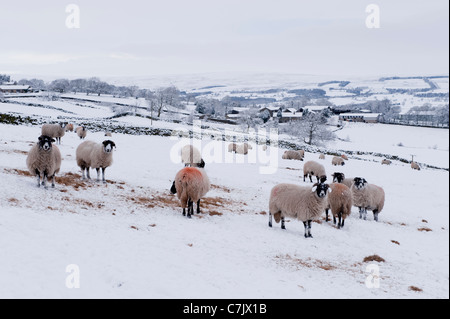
(130, 240)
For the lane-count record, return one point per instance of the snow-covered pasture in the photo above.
(130, 240)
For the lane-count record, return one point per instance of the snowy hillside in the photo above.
(130, 240)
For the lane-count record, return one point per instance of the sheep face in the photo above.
(201, 164)
(360, 183)
(173, 189)
(108, 146)
(338, 177)
(321, 189)
(45, 142)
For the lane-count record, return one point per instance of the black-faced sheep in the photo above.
(337, 161)
(54, 130)
(367, 197)
(340, 202)
(44, 159)
(191, 156)
(93, 155)
(312, 168)
(301, 202)
(340, 178)
(81, 132)
(190, 185)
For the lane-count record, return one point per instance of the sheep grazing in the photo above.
(301, 202)
(338, 161)
(414, 165)
(386, 162)
(312, 168)
(191, 156)
(69, 128)
(322, 156)
(232, 147)
(367, 197)
(108, 134)
(340, 178)
(190, 185)
(44, 159)
(92, 155)
(54, 130)
(340, 202)
(292, 155)
(81, 132)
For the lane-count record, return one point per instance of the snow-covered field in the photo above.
(129, 239)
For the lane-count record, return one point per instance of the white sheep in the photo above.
(69, 128)
(386, 162)
(81, 132)
(340, 202)
(191, 184)
(242, 149)
(232, 147)
(92, 155)
(367, 197)
(337, 161)
(415, 165)
(44, 159)
(344, 157)
(293, 155)
(340, 178)
(108, 134)
(191, 156)
(312, 168)
(301, 202)
(322, 156)
(54, 130)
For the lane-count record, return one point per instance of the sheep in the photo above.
(414, 165)
(232, 147)
(302, 153)
(44, 159)
(367, 197)
(54, 130)
(108, 134)
(340, 201)
(301, 202)
(191, 185)
(386, 162)
(312, 168)
(249, 146)
(93, 155)
(191, 156)
(344, 157)
(242, 149)
(340, 178)
(81, 132)
(292, 155)
(69, 128)
(338, 161)
(264, 147)
(322, 156)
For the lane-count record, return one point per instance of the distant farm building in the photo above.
(360, 117)
(15, 88)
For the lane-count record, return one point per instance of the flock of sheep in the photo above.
(44, 158)
(191, 183)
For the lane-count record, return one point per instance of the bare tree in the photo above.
(312, 129)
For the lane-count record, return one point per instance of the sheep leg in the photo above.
(307, 225)
(198, 206)
(103, 175)
(334, 220)
(375, 214)
(190, 204)
(270, 219)
(340, 220)
(364, 213)
(326, 215)
(310, 178)
(360, 212)
(304, 178)
(282, 223)
(44, 180)
(88, 174)
(38, 175)
(98, 174)
(53, 181)
(184, 211)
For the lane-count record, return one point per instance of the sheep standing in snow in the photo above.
(242, 149)
(312, 168)
(367, 197)
(292, 155)
(69, 128)
(338, 161)
(54, 130)
(191, 156)
(340, 202)
(232, 147)
(190, 185)
(81, 132)
(92, 155)
(414, 165)
(108, 134)
(386, 162)
(304, 203)
(322, 156)
(340, 178)
(44, 159)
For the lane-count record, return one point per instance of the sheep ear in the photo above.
(313, 190)
(53, 140)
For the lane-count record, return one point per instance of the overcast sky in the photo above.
(139, 38)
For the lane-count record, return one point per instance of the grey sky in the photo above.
(138, 38)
